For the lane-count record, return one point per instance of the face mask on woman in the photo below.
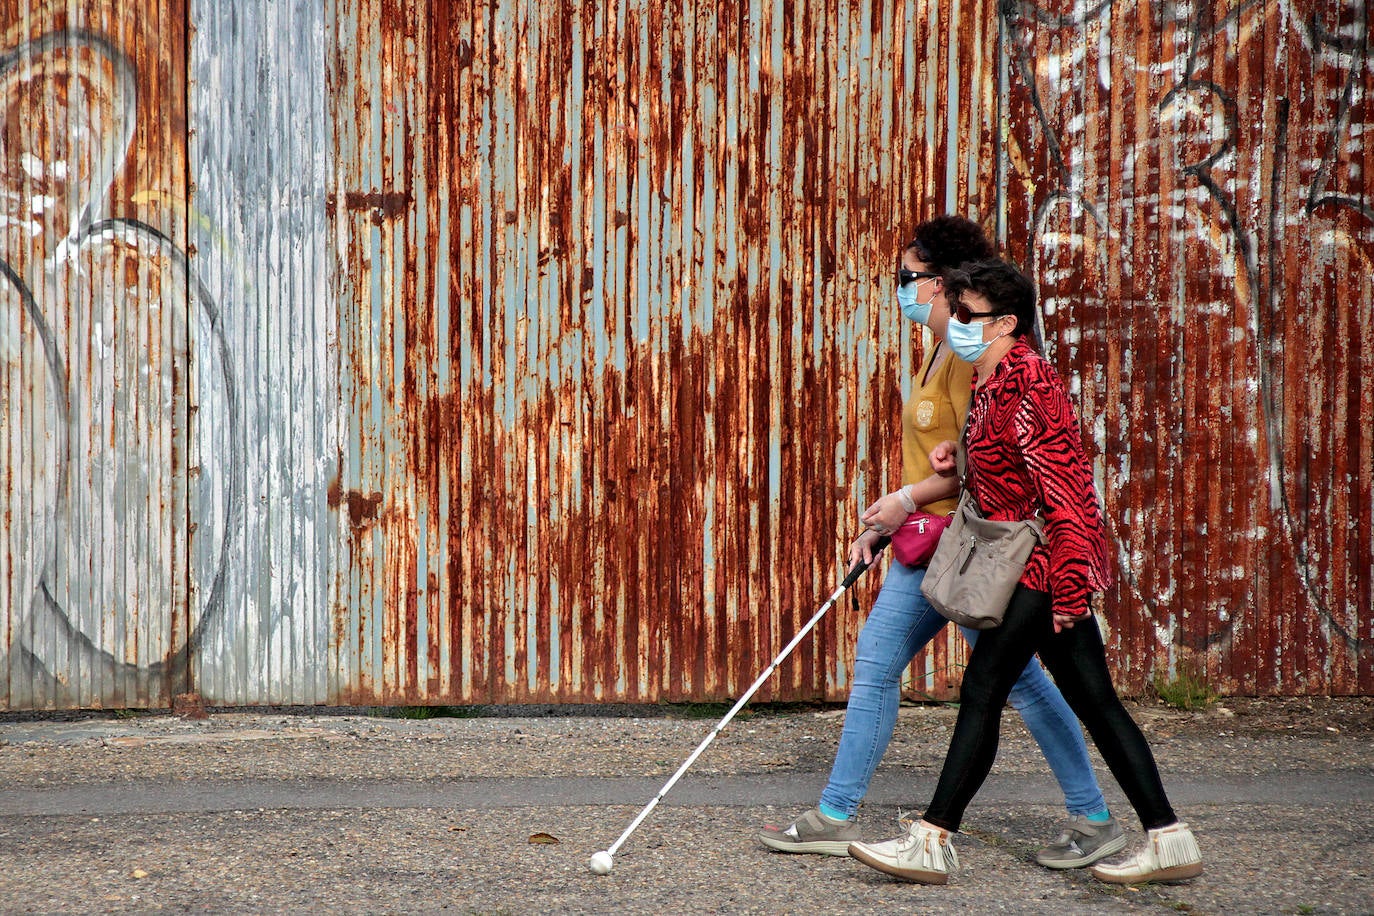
(966, 340)
(913, 308)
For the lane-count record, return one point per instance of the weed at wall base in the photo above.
(1187, 689)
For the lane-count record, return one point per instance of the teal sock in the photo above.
(832, 813)
(1100, 817)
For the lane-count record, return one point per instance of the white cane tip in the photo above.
(601, 863)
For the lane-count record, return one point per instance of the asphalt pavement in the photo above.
(315, 810)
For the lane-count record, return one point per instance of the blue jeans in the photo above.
(898, 627)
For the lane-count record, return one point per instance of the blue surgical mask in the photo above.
(913, 308)
(966, 340)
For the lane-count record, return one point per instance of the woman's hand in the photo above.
(1064, 622)
(861, 551)
(885, 515)
(944, 458)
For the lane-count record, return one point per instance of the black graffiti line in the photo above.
(1319, 35)
(1228, 145)
(1202, 173)
(178, 665)
(90, 225)
(1273, 412)
(1339, 125)
(1269, 408)
(1055, 20)
(52, 356)
(1358, 47)
(1120, 537)
(214, 603)
(1232, 17)
(1028, 80)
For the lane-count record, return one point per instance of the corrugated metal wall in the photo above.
(614, 291)
(260, 150)
(399, 352)
(96, 321)
(1189, 182)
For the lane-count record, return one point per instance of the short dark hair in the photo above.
(943, 242)
(1008, 291)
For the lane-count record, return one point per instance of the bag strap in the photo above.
(961, 460)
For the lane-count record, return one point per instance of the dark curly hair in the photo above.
(1007, 290)
(944, 242)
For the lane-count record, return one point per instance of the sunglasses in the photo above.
(905, 276)
(963, 314)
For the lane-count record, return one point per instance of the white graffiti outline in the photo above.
(91, 227)
(1262, 305)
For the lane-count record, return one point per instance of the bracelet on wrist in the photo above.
(907, 502)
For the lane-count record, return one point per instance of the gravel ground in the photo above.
(1271, 854)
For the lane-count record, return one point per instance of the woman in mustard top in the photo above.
(902, 622)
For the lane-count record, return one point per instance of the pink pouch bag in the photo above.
(913, 543)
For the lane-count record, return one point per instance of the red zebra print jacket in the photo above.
(1025, 455)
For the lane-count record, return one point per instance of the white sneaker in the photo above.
(925, 855)
(1170, 854)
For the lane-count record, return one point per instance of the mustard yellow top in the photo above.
(934, 412)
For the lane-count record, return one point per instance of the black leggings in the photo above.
(1078, 663)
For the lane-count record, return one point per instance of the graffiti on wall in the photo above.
(1201, 222)
(118, 424)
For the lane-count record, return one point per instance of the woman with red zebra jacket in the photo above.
(1024, 456)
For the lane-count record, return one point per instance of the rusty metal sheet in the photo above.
(665, 234)
(95, 309)
(1192, 178)
(618, 348)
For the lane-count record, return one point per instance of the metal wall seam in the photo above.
(480, 504)
(399, 547)
(31, 388)
(347, 110)
(275, 348)
(698, 204)
(317, 447)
